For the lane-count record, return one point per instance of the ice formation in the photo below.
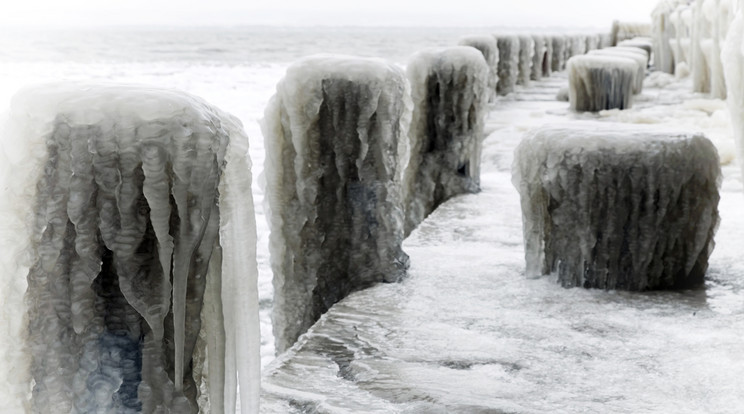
(526, 53)
(663, 31)
(628, 30)
(615, 207)
(487, 46)
(335, 137)
(577, 45)
(449, 90)
(701, 49)
(541, 62)
(640, 43)
(592, 42)
(733, 66)
(508, 46)
(597, 82)
(640, 60)
(558, 59)
(128, 221)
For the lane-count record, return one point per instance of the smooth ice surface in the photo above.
(486, 44)
(508, 46)
(124, 213)
(617, 207)
(450, 92)
(597, 82)
(468, 332)
(336, 146)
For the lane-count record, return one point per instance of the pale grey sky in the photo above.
(567, 13)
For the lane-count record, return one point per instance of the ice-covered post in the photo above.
(733, 67)
(508, 64)
(597, 82)
(526, 53)
(336, 145)
(638, 56)
(663, 31)
(701, 48)
(719, 13)
(542, 58)
(487, 46)
(613, 207)
(449, 90)
(131, 210)
(558, 60)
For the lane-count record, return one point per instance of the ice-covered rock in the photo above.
(508, 46)
(638, 56)
(335, 137)
(128, 221)
(487, 46)
(558, 59)
(598, 82)
(526, 53)
(616, 207)
(449, 90)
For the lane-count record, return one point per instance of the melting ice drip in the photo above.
(139, 283)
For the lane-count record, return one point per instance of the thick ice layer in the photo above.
(596, 83)
(542, 57)
(123, 216)
(508, 63)
(526, 53)
(617, 207)
(487, 46)
(638, 57)
(449, 90)
(558, 59)
(335, 138)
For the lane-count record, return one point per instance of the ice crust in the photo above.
(140, 294)
(335, 137)
(509, 54)
(639, 57)
(596, 82)
(487, 46)
(526, 53)
(617, 207)
(449, 90)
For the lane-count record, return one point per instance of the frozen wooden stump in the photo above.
(596, 83)
(615, 207)
(541, 57)
(336, 146)
(141, 274)
(508, 64)
(558, 59)
(487, 46)
(449, 90)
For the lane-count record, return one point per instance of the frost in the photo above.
(335, 138)
(617, 207)
(129, 217)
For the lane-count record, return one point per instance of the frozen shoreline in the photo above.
(467, 331)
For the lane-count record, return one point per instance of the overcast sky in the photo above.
(567, 13)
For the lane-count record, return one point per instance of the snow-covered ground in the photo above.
(468, 332)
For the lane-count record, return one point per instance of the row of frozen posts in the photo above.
(358, 153)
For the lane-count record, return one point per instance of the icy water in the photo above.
(467, 332)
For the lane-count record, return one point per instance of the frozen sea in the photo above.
(466, 330)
